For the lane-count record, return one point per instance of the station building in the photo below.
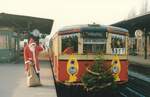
(13, 29)
(139, 33)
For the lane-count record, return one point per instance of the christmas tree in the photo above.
(98, 77)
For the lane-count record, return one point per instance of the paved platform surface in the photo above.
(139, 60)
(13, 82)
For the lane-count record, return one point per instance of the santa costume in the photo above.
(31, 52)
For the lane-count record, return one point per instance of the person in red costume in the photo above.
(68, 50)
(31, 52)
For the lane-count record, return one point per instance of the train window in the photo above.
(118, 43)
(69, 44)
(4, 41)
(94, 45)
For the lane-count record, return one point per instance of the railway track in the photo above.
(80, 92)
(139, 82)
(136, 88)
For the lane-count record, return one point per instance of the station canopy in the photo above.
(132, 24)
(26, 23)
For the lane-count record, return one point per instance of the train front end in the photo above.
(80, 46)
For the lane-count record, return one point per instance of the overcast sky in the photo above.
(71, 12)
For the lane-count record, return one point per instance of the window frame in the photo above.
(109, 44)
(68, 35)
(92, 42)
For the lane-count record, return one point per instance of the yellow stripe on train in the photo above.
(116, 67)
(72, 68)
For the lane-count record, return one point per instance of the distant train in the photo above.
(74, 48)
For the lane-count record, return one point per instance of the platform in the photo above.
(139, 60)
(13, 82)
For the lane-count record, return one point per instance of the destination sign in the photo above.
(93, 34)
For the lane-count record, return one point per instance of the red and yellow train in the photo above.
(74, 48)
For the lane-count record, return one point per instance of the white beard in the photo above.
(32, 48)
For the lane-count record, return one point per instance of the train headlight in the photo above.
(115, 69)
(72, 70)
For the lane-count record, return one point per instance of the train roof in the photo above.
(92, 28)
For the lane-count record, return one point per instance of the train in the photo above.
(74, 48)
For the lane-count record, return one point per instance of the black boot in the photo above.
(38, 74)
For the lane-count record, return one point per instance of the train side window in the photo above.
(69, 44)
(118, 44)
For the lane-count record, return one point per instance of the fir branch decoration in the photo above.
(97, 77)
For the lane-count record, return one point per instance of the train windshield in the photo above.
(94, 45)
(94, 42)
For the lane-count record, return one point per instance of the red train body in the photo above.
(87, 41)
